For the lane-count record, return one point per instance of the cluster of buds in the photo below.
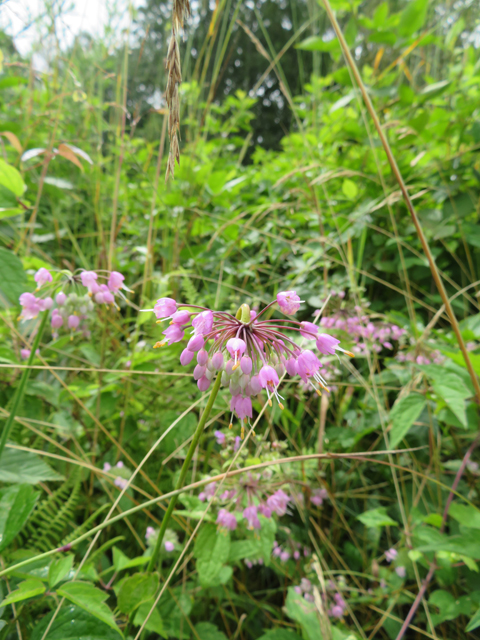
(305, 589)
(426, 357)
(169, 543)
(251, 354)
(296, 551)
(72, 308)
(390, 556)
(121, 481)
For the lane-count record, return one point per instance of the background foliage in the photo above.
(282, 185)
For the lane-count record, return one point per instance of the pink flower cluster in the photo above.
(72, 309)
(151, 537)
(250, 353)
(119, 481)
(296, 551)
(337, 610)
(366, 333)
(305, 589)
(421, 358)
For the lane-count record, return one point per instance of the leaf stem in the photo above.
(18, 397)
(183, 472)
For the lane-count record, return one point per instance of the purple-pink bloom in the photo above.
(278, 502)
(30, 306)
(202, 357)
(196, 343)
(265, 510)
(120, 482)
(203, 323)
(199, 372)
(164, 308)
(255, 385)
(181, 317)
(169, 546)
(327, 344)
(236, 347)
(243, 407)
(60, 299)
(391, 554)
(291, 367)
(246, 365)
(401, 572)
(220, 436)
(318, 496)
(73, 322)
(218, 361)
(89, 280)
(42, 277)
(336, 611)
(115, 281)
(45, 303)
(226, 519)
(268, 377)
(308, 330)
(289, 302)
(173, 333)
(24, 354)
(149, 533)
(186, 357)
(250, 514)
(284, 556)
(204, 383)
(56, 320)
(107, 466)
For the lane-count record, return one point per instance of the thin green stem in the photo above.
(18, 397)
(183, 472)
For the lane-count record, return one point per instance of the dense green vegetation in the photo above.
(365, 498)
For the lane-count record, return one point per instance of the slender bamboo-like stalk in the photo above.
(18, 397)
(183, 472)
(398, 176)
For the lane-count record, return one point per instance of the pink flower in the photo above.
(196, 343)
(119, 482)
(250, 514)
(265, 511)
(318, 496)
(31, 306)
(236, 348)
(107, 466)
(164, 308)
(243, 408)
(173, 334)
(186, 357)
(401, 572)
(203, 323)
(56, 321)
(307, 365)
(199, 372)
(255, 385)
(336, 611)
(278, 502)
(268, 377)
(246, 365)
(169, 546)
(42, 276)
(149, 533)
(227, 520)
(181, 317)
(289, 302)
(120, 464)
(307, 329)
(73, 322)
(60, 299)
(327, 344)
(391, 554)
(291, 367)
(45, 303)
(115, 281)
(284, 556)
(89, 280)
(24, 354)
(203, 384)
(218, 361)
(202, 357)
(220, 437)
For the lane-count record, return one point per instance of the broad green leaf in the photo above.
(377, 518)
(350, 189)
(474, 622)
(466, 515)
(59, 569)
(11, 178)
(467, 544)
(135, 590)
(413, 17)
(241, 549)
(88, 597)
(208, 631)
(154, 623)
(25, 467)
(7, 198)
(452, 390)
(16, 504)
(380, 15)
(280, 634)
(316, 43)
(403, 414)
(303, 612)
(211, 551)
(73, 623)
(27, 589)
(14, 279)
(173, 613)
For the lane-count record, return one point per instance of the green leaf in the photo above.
(27, 589)
(59, 569)
(377, 518)
(350, 189)
(474, 622)
(7, 198)
(466, 515)
(73, 623)
(403, 414)
(316, 43)
(208, 631)
(380, 15)
(211, 551)
(88, 597)
(452, 390)
(413, 17)
(135, 590)
(280, 634)
(14, 279)
(16, 504)
(173, 612)
(303, 612)
(155, 622)
(11, 178)
(25, 467)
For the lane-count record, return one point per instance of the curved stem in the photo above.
(18, 397)
(183, 472)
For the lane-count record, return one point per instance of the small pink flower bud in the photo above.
(327, 344)
(202, 357)
(186, 357)
(196, 343)
(73, 322)
(255, 385)
(218, 361)
(56, 321)
(61, 299)
(229, 367)
(203, 383)
(45, 304)
(291, 366)
(198, 372)
(24, 354)
(181, 317)
(89, 280)
(169, 546)
(246, 365)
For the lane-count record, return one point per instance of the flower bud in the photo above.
(199, 372)
(186, 357)
(218, 361)
(246, 365)
(203, 383)
(202, 357)
(61, 299)
(73, 322)
(196, 343)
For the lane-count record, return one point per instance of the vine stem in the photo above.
(184, 470)
(396, 172)
(19, 393)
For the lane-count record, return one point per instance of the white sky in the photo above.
(17, 18)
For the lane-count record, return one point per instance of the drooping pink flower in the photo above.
(186, 357)
(226, 519)
(115, 281)
(60, 299)
(336, 611)
(278, 502)
(308, 330)
(220, 437)
(24, 354)
(202, 357)
(289, 302)
(203, 384)
(203, 323)
(285, 556)
(327, 344)
(318, 496)
(89, 280)
(218, 361)
(250, 514)
(199, 372)
(45, 303)
(236, 347)
(246, 365)
(196, 343)
(169, 546)
(291, 367)
(56, 321)
(42, 277)
(173, 333)
(30, 306)
(73, 322)
(243, 408)
(265, 510)
(164, 308)
(268, 377)
(255, 385)
(181, 317)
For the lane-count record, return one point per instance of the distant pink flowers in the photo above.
(72, 309)
(250, 353)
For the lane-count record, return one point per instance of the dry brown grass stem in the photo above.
(181, 9)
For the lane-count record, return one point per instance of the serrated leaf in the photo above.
(88, 597)
(26, 589)
(403, 414)
(25, 467)
(211, 551)
(377, 518)
(73, 623)
(452, 390)
(59, 569)
(16, 505)
(136, 590)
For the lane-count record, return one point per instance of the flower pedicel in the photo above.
(250, 353)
